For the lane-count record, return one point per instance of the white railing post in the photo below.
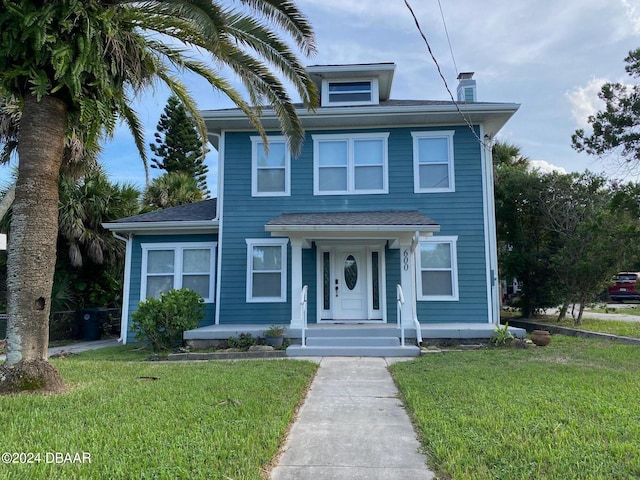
(303, 314)
(416, 324)
(399, 316)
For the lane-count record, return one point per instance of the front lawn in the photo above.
(566, 411)
(155, 420)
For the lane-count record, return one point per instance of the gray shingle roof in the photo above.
(390, 218)
(203, 210)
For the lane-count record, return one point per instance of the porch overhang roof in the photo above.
(371, 224)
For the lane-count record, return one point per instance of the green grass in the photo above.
(622, 311)
(614, 327)
(197, 420)
(566, 411)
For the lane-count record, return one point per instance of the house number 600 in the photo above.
(405, 260)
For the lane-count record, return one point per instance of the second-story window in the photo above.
(433, 161)
(270, 171)
(350, 164)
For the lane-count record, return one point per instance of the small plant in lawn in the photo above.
(501, 336)
(162, 321)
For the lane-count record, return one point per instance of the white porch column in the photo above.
(296, 282)
(407, 279)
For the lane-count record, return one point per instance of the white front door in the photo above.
(351, 283)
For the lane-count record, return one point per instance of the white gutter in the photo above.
(383, 109)
(191, 225)
(124, 314)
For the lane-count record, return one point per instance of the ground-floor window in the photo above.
(437, 269)
(168, 266)
(267, 270)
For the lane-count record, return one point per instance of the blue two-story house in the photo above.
(382, 228)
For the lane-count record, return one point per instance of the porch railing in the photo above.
(303, 314)
(399, 315)
(416, 324)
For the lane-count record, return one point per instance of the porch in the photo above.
(359, 340)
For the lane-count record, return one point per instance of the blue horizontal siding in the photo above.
(136, 271)
(458, 213)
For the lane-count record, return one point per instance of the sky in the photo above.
(551, 57)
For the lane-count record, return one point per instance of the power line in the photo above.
(448, 39)
(444, 80)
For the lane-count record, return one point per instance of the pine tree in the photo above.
(615, 127)
(177, 145)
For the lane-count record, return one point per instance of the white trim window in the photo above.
(437, 269)
(267, 270)
(350, 163)
(350, 92)
(169, 266)
(270, 171)
(433, 169)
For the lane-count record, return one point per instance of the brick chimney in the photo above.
(467, 87)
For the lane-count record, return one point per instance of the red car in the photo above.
(624, 287)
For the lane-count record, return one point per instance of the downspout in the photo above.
(218, 216)
(124, 316)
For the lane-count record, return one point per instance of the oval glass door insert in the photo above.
(350, 272)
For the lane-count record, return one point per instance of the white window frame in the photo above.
(452, 241)
(178, 249)
(267, 242)
(257, 144)
(350, 138)
(375, 89)
(447, 134)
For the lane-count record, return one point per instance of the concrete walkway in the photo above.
(78, 347)
(352, 426)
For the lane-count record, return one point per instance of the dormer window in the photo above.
(350, 92)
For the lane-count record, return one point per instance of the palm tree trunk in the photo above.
(32, 240)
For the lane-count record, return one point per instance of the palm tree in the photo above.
(73, 68)
(84, 205)
(506, 154)
(170, 190)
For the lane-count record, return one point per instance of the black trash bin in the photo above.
(91, 320)
(3, 326)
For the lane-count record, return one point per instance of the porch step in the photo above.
(351, 340)
(315, 341)
(352, 351)
(355, 331)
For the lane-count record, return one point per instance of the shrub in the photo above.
(243, 342)
(163, 320)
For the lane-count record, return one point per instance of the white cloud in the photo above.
(584, 101)
(633, 15)
(545, 167)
